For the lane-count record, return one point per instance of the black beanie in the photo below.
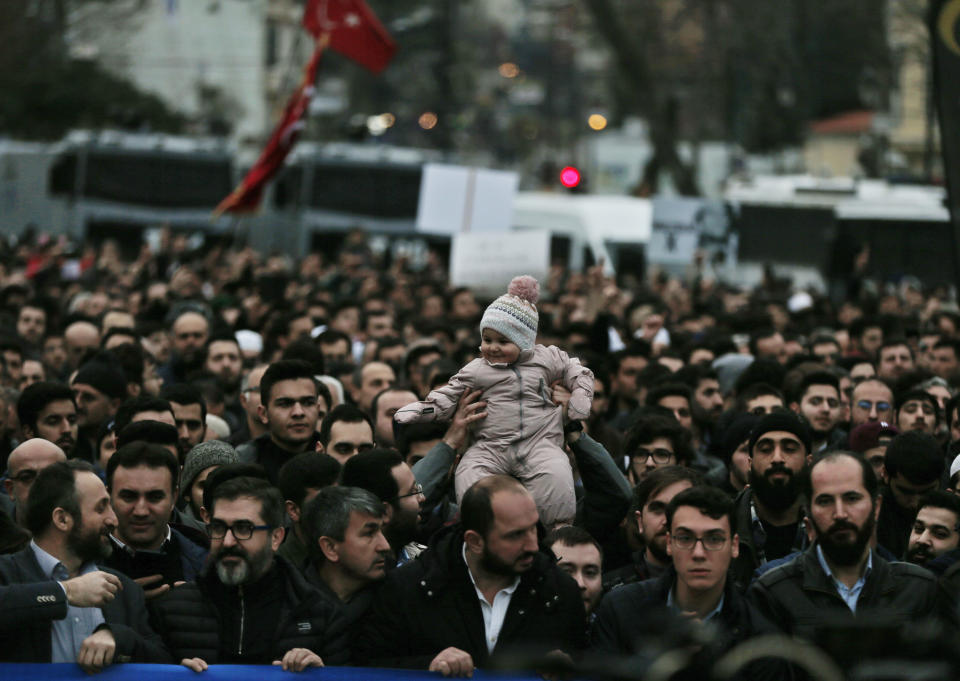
(104, 378)
(785, 421)
(739, 430)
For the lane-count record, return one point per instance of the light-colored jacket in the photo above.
(520, 410)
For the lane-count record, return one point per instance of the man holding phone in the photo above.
(142, 478)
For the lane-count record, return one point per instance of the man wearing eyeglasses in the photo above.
(872, 401)
(383, 472)
(250, 606)
(288, 408)
(25, 462)
(701, 544)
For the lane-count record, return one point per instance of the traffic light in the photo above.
(569, 177)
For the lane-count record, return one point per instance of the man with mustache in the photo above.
(59, 605)
(48, 410)
(482, 588)
(250, 606)
(936, 531)
(769, 515)
(914, 466)
(841, 574)
(349, 553)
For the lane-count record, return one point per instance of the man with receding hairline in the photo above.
(482, 589)
(841, 574)
(25, 462)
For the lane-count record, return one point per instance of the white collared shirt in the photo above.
(493, 613)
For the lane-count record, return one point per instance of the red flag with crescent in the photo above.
(354, 30)
(246, 197)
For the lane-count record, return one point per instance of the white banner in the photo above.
(487, 262)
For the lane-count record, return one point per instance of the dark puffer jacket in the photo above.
(191, 622)
(430, 604)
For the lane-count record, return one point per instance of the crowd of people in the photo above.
(224, 457)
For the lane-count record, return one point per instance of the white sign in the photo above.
(456, 199)
(487, 262)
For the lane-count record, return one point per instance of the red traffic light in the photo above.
(570, 177)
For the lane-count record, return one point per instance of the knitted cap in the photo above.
(515, 314)
(781, 420)
(104, 378)
(204, 455)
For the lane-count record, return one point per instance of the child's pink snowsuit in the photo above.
(522, 434)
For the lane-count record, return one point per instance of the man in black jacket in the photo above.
(250, 606)
(840, 577)
(56, 604)
(695, 589)
(288, 407)
(482, 589)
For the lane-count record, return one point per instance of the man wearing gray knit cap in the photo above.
(200, 462)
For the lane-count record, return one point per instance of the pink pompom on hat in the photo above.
(515, 314)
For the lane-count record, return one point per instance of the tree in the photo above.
(46, 93)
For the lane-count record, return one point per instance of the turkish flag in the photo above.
(354, 31)
(246, 197)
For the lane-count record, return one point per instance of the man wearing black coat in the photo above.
(695, 589)
(56, 603)
(481, 590)
(250, 606)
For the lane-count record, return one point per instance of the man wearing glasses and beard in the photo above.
(769, 513)
(841, 574)
(250, 606)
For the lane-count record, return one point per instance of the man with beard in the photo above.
(288, 408)
(98, 389)
(918, 410)
(47, 410)
(58, 605)
(817, 401)
(481, 590)
(249, 606)
(769, 516)
(649, 522)
(189, 415)
(840, 574)
(189, 333)
(914, 466)
(936, 531)
(383, 472)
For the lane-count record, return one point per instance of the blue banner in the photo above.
(226, 672)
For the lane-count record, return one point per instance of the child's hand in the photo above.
(561, 397)
(468, 411)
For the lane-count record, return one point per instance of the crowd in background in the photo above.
(753, 461)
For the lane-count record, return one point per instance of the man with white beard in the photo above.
(251, 606)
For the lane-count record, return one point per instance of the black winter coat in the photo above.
(632, 616)
(430, 604)
(189, 620)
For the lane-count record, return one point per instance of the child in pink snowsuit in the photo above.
(522, 434)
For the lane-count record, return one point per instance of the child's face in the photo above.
(497, 348)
